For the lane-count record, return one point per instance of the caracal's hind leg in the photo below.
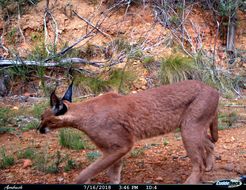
(209, 160)
(209, 144)
(114, 172)
(193, 144)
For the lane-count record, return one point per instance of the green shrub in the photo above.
(70, 165)
(5, 115)
(176, 68)
(41, 161)
(48, 163)
(148, 59)
(54, 167)
(135, 54)
(28, 153)
(99, 84)
(70, 138)
(6, 130)
(90, 84)
(19, 72)
(93, 155)
(121, 79)
(121, 45)
(165, 142)
(6, 160)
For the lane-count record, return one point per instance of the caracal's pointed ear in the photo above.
(54, 100)
(57, 106)
(68, 95)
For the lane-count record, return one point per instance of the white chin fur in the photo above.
(47, 130)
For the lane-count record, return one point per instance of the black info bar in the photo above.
(113, 187)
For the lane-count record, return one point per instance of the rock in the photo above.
(38, 145)
(240, 170)
(27, 94)
(15, 108)
(143, 81)
(159, 179)
(178, 180)
(229, 167)
(148, 182)
(143, 87)
(60, 179)
(175, 157)
(4, 85)
(218, 157)
(27, 163)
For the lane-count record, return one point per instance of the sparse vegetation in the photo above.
(99, 84)
(38, 109)
(177, 136)
(4, 3)
(93, 2)
(137, 152)
(121, 44)
(135, 54)
(165, 142)
(148, 59)
(20, 119)
(54, 166)
(125, 3)
(48, 163)
(20, 72)
(227, 83)
(41, 161)
(5, 160)
(4, 116)
(12, 36)
(32, 125)
(38, 53)
(227, 120)
(70, 138)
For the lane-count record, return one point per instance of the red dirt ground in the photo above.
(159, 163)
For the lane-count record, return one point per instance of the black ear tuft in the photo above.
(68, 95)
(54, 100)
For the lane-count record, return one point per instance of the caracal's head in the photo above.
(58, 106)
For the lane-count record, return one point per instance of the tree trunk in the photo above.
(231, 33)
(230, 42)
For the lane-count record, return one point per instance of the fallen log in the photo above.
(7, 62)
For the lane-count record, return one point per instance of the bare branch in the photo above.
(19, 27)
(89, 23)
(48, 15)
